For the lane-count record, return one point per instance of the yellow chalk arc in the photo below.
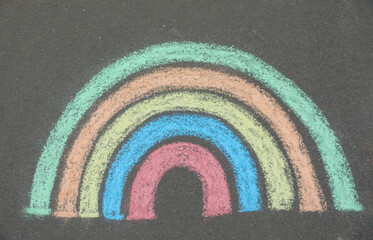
(278, 180)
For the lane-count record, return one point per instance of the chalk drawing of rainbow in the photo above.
(122, 130)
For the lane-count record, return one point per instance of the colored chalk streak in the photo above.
(175, 125)
(216, 196)
(276, 171)
(336, 165)
(191, 78)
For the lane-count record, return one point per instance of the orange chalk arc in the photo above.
(310, 194)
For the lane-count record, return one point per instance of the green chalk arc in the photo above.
(341, 181)
(278, 180)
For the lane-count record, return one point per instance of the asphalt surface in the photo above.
(50, 49)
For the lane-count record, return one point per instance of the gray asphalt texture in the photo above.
(50, 49)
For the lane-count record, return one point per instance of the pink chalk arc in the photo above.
(216, 194)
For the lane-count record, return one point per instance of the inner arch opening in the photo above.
(179, 195)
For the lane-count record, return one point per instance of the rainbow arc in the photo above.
(227, 111)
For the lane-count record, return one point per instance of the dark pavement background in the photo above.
(50, 49)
